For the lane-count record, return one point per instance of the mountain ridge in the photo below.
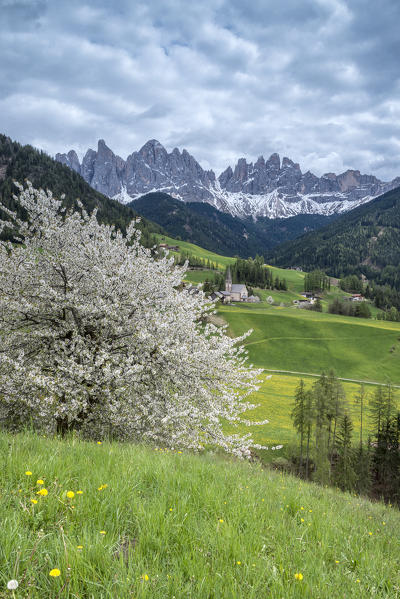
(272, 188)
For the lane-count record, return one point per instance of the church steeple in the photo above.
(228, 280)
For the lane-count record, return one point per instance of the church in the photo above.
(234, 292)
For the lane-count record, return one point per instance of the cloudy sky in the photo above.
(316, 80)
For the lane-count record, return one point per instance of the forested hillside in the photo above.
(202, 224)
(364, 241)
(18, 163)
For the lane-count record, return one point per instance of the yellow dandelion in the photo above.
(70, 494)
(310, 511)
(179, 451)
(302, 508)
(28, 473)
(43, 492)
(54, 572)
(79, 546)
(238, 563)
(99, 442)
(370, 534)
(384, 523)
(358, 580)
(102, 532)
(40, 482)
(79, 492)
(337, 561)
(34, 501)
(170, 509)
(220, 520)
(301, 519)
(145, 577)
(298, 576)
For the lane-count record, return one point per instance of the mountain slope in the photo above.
(272, 188)
(204, 225)
(364, 241)
(18, 163)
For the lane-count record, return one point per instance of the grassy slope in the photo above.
(221, 261)
(304, 341)
(161, 513)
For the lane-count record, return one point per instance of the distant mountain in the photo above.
(364, 241)
(204, 225)
(272, 188)
(18, 163)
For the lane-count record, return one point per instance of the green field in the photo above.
(303, 341)
(195, 250)
(159, 524)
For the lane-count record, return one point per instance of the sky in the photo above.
(315, 80)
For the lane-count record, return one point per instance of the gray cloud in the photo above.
(316, 80)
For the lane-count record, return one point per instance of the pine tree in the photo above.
(345, 476)
(299, 417)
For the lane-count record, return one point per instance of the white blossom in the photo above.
(97, 335)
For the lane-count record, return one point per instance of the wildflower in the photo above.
(370, 534)
(54, 572)
(12, 585)
(358, 580)
(302, 508)
(170, 509)
(70, 494)
(40, 482)
(384, 523)
(43, 492)
(102, 532)
(79, 492)
(238, 563)
(179, 452)
(28, 473)
(220, 520)
(298, 576)
(301, 519)
(336, 561)
(34, 501)
(145, 577)
(99, 442)
(79, 546)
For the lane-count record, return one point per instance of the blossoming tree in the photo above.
(97, 335)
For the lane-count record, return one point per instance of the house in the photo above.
(165, 246)
(357, 297)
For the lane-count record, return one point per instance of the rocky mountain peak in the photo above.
(272, 187)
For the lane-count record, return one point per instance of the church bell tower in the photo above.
(228, 280)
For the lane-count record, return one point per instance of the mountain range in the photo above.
(271, 188)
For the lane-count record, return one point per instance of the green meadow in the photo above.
(125, 521)
(221, 261)
(303, 341)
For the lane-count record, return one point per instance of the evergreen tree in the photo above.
(299, 417)
(344, 475)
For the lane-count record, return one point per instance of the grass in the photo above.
(304, 341)
(221, 261)
(182, 526)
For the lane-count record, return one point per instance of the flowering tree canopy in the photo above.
(97, 335)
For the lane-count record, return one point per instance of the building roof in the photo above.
(225, 292)
(238, 288)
